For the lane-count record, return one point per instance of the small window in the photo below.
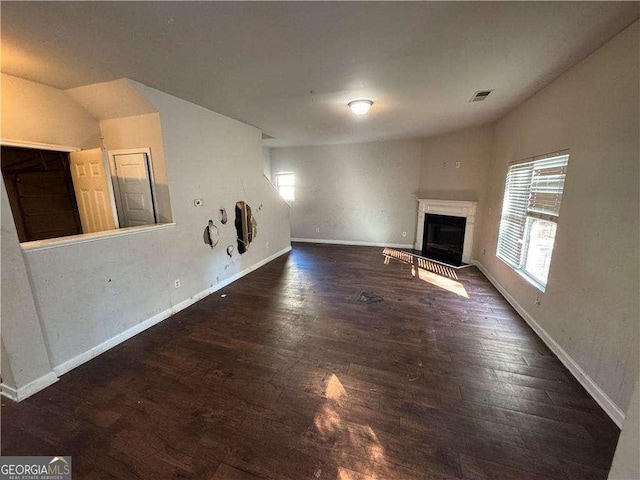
(285, 184)
(530, 210)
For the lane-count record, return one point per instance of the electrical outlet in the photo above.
(176, 283)
(404, 234)
(484, 251)
(457, 164)
(197, 202)
(317, 229)
(490, 210)
(267, 245)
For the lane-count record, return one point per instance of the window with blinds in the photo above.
(532, 197)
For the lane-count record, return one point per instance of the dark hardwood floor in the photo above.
(291, 376)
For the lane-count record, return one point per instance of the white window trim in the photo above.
(524, 274)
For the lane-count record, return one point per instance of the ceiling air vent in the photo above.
(480, 96)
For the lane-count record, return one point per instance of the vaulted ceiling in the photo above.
(289, 68)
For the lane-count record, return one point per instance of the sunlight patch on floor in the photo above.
(448, 284)
(431, 272)
(359, 442)
(436, 267)
(346, 474)
(334, 389)
(411, 259)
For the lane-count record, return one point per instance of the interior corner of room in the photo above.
(123, 205)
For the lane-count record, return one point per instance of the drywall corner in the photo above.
(31, 388)
(5, 368)
(142, 131)
(24, 344)
(114, 99)
(32, 112)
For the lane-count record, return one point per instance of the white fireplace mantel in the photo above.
(455, 208)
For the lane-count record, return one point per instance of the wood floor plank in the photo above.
(290, 376)
(478, 469)
(225, 472)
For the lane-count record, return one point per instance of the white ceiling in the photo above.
(258, 62)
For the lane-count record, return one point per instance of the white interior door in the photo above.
(133, 176)
(93, 190)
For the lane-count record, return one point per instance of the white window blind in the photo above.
(514, 210)
(547, 184)
(533, 189)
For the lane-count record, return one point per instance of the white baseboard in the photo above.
(112, 342)
(349, 242)
(227, 281)
(17, 395)
(585, 380)
(140, 327)
(10, 393)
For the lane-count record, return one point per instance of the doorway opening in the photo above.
(56, 194)
(41, 193)
(133, 187)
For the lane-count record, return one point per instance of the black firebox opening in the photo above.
(443, 238)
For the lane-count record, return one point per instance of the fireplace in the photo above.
(463, 210)
(443, 238)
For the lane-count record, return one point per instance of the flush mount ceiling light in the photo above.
(360, 107)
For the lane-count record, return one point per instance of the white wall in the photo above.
(38, 113)
(441, 180)
(590, 308)
(439, 177)
(362, 192)
(89, 293)
(626, 462)
(219, 160)
(42, 114)
(113, 99)
(23, 343)
(142, 131)
(5, 365)
(367, 192)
